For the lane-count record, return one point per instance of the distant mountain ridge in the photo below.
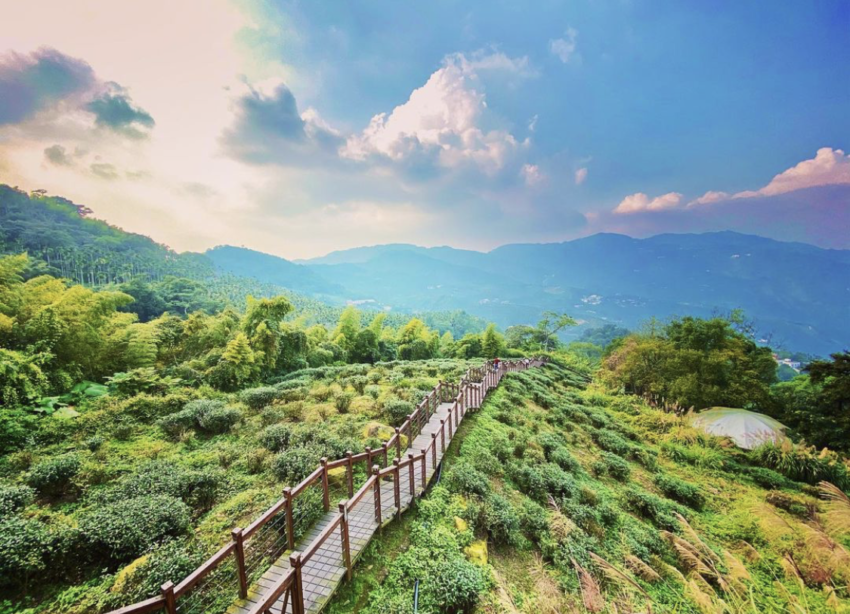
(799, 293)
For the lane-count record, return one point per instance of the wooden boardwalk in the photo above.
(298, 576)
(326, 569)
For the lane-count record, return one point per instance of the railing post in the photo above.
(326, 492)
(434, 451)
(290, 524)
(346, 546)
(410, 474)
(368, 459)
(450, 420)
(442, 435)
(350, 472)
(398, 442)
(297, 584)
(424, 471)
(397, 486)
(376, 472)
(239, 553)
(384, 452)
(170, 600)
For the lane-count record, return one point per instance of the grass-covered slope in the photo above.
(99, 510)
(592, 502)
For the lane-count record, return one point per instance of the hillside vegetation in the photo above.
(561, 497)
(100, 508)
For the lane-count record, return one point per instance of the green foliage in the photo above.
(817, 405)
(123, 530)
(694, 363)
(500, 519)
(257, 398)
(464, 478)
(53, 475)
(613, 465)
(276, 437)
(293, 465)
(397, 411)
(679, 490)
(14, 498)
(25, 547)
(802, 463)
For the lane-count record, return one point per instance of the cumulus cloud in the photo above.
(441, 122)
(30, 83)
(269, 129)
(115, 110)
(828, 167)
(104, 171)
(565, 48)
(532, 175)
(47, 81)
(639, 201)
(57, 154)
(712, 196)
(580, 175)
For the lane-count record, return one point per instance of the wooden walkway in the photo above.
(298, 576)
(325, 571)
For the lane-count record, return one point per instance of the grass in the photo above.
(684, 523)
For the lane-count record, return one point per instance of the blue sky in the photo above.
(301, 127)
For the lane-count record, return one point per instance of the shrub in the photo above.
(465, 479)
(257, 398)
(528, 479)
(171, 559)
(94, 443)
(696, 455)
(24, 547)
(485, 461)
(373, 391)
(679, 490)
(768, 478)
(123, 530)
(174, 425)
(558, 482)
(217, 420)
(611, 442)
(533, 520)
(613, 465)
(52, 476)
(654, 508)
(566, 461)
(803, 464)
(276, 437)
(500, 519)
(14, 498)
(342, 401)
(397, 411)
(196, 487)
(358, 382)
(295, 464)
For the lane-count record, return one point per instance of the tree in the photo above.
(551, 324)
(695, 363)
(347, 328)
(817, 405)
(492, 343)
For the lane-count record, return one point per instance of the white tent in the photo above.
(747, 429)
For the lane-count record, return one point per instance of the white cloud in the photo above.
(442, 120)
(712, 196)
(565, 48)
(532, 175)
(641, 202)
(828, 167)
(581, 175)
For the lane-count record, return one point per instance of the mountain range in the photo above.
(798, 295)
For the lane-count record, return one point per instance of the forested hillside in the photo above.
(562, 497)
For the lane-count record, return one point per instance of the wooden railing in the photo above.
(273, 533)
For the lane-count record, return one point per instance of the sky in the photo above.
(298, 128)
